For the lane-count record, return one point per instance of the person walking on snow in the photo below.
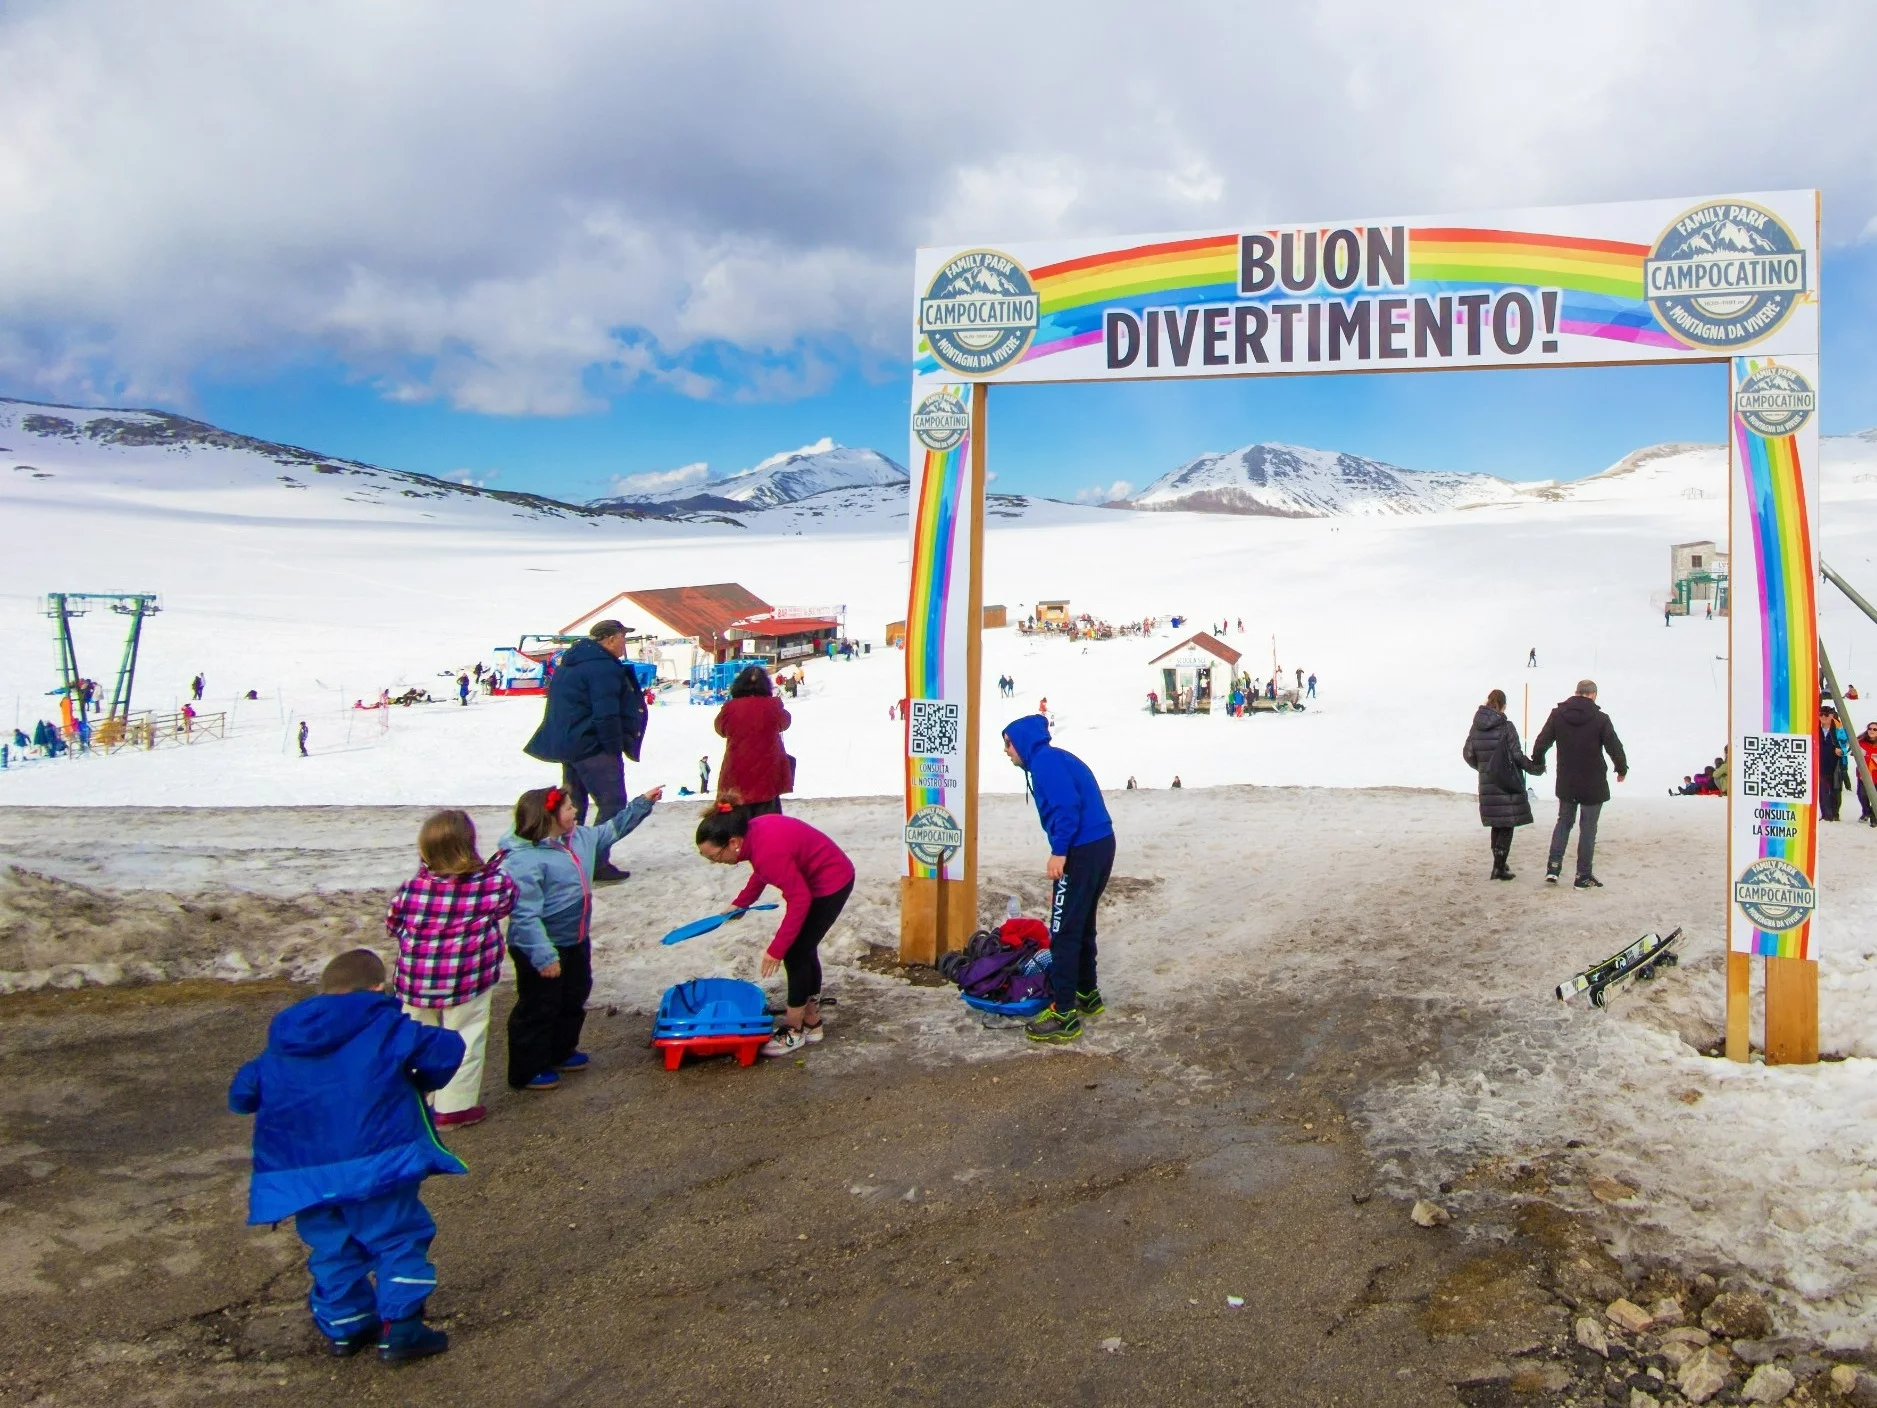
(594, 721)
(462, 690)
(1867, 745)
(1531, 659)
(1583, 734)
(1313, 686)
(197, 685)
(1492, 750)
(1081, 855)
(703, 776)
(1834, 752)
(303, 732)
(756, 770)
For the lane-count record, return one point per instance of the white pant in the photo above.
(469, 1020)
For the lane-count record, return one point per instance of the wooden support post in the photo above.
(1791, 1011)
(1739, 1005)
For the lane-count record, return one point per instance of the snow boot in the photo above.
(410, 1338)
(1499, 871)
(345, 1347)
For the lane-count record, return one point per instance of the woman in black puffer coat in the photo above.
(1492, 750)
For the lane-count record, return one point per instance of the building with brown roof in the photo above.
(1188, 677)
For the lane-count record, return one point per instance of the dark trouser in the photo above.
(1863, 801)
(601, 777)
(1501, 843)
(1831, 798)
(1072, 921)
(802, 962)
(544, 1024)
(388, 1235)
(1586, 836)
(772, 807)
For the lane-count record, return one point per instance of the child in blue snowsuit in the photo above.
(342, 1141)
(1081, 855)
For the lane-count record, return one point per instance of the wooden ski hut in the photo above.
(1190, 676)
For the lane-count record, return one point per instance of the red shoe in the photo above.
(475, 1114)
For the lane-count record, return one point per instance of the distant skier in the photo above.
(1300, 677)
(1665, 614)
(703, 776)
(197, 685)
(462, 690)
(1492, 750)
(1583, 733)
(1531, 659)
(303, 732)
(1313, 686)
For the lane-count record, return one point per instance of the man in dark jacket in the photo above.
(1583, 733)
(595, 719)
(1081, 855)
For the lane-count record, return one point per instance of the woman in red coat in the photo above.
(756, 770)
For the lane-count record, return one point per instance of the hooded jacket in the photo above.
(1492, 750)
(594, 707)
(1068, 799)
(1583, 733)
(551, 876)
(755, 765)
(336, 1096)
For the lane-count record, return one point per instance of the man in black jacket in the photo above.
(595, 719)
(1583, 733)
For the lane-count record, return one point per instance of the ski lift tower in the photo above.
(63, 606)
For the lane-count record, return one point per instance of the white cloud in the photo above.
(1108, 494)
(473, 478)
(658, 480)
(525, 209)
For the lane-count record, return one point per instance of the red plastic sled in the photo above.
(744, 1048)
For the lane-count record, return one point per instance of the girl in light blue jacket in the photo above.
(550, 859)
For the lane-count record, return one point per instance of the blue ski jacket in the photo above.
(339, 1113)
(551, 876)
(595, 706)
(1068, 799)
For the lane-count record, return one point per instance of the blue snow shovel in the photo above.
(706, 924)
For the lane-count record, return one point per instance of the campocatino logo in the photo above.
(1775, 401)
(1724, 275)
(940, 422)
(1775, 895)
(933, 836)
(979, 313)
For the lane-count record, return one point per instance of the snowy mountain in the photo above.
(786, 478)
(1289, 481)
(152, 460)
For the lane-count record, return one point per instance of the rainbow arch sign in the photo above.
(1725, 278)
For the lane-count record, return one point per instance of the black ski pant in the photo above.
(1072, 921)
(602, 778)
(802, 959)
(544, 1024)
(1831, 798)
(1586, 836)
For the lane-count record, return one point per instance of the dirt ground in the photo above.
(917, 1211)
(903, 1233)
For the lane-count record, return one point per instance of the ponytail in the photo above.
(723, 823)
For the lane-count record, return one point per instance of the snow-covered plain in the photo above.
(317, 593)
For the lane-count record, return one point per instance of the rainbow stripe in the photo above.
(1600, 282)
(938, 519)
(1774, 483)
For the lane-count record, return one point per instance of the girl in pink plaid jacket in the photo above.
(447, 920)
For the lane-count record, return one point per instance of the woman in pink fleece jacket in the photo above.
(815, 877)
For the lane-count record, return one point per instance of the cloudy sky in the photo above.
(564, 243)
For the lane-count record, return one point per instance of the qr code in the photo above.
(1777, 766)
(934, 728)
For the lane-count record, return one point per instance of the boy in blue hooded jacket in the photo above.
(342, 1141)
(1081, 855)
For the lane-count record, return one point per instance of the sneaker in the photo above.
(547, 1080)
(610, 875)
(1053, 1026)
(344, 1347)
(1090, 1004)
(475, 1114)
(579, 1061)
(404, 1340)
(1551, 876)
(1587, 882)
(813, 1032)
(786, 1041)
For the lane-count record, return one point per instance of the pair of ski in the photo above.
(1639, 961)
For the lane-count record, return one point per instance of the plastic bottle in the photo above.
(1012, 908)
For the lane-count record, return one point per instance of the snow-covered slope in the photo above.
(161, 463)
(786, 478)
(1290, 481)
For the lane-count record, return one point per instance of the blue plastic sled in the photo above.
(712, 1007)
(705, 925)
(1029, 1007)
